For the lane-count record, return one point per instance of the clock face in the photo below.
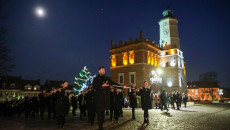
(166, 31)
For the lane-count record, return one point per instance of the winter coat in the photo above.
(132, 98)
(102, 95)
(145, 98)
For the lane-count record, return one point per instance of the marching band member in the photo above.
(144, 92)
(133, 99)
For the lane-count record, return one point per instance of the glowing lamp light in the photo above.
(221, 92)
(159, 71)
(131, 57)
(125, 59)
(169, 84)
(113, 60)
(155, 79)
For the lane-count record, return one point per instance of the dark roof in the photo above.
(203, 84)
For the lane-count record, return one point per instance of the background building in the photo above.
(15, 86)
(204, 91)
(140, 59)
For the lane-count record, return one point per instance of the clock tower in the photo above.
(169, 37)
(171, 56)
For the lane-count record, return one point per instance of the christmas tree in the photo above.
(83, 80)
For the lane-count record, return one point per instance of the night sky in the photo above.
(75, 33)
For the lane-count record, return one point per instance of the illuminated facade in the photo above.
(133, 61)
(203, 91)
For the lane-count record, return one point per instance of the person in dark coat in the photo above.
(27, 106)
(185, 99)
(101, 86)
(49, 103)
(42, 103)
(117, 104)
(133, 99)
(173, 100)
(144, 92)
(53, 104)
(82, 104)
(178, 100)
(163, 101)
(34, 105)
(74, 104)
(111, 103)
(122, 103)
(61, 104)
(90, 103)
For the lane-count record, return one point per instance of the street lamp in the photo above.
(159, 71)
(155, 77)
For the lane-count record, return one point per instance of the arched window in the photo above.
(113, 60)
(28, 87)
(36, 87)
(152, 59)
(131, 57)
(125, 59)
(149, 57)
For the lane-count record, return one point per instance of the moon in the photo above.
(40, 12)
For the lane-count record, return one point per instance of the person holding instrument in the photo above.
(62, 104)
(133, 99)
(144, 92)
(101, 85)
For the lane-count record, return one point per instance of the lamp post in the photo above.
(155, 77)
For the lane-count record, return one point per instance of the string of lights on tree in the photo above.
(83, 80)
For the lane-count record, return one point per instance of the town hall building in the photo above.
(162, 65)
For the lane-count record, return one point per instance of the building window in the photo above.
(194, 86)
(152, 59)
(181, 82)
(11, 94)
(121, 78)
(113, 60)
(132, 77)
(167, 64)
(28, 87)
(125, 58)
(36, 87)
(149, 57)
(156, 61)
(192, 90)
(12, 85)
(131, 57)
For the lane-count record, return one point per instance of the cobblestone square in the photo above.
(198, 117)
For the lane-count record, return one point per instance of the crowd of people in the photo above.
(102, 97)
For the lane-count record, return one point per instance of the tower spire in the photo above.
(141, 38)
